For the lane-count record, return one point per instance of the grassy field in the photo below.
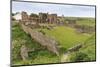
(83, 21)
(67, 37)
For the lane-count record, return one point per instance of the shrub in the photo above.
(79, 56)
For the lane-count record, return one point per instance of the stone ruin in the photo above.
(84, 29)
(80, 28)
(42, 18)
(45, 18)
(25, 17)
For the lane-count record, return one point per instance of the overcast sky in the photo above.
(59, 9)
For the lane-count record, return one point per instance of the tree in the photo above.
(13, 14)
(33, 15)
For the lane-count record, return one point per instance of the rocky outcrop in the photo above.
(44, 40)
(24, 52)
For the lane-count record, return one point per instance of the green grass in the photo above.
(19, 37)
(86, 22)
(88, 50)
(83, 21)
(66, 36)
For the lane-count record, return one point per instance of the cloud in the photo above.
(66, 10)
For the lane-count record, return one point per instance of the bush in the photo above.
(79, 56)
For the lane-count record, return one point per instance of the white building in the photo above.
(17, 16)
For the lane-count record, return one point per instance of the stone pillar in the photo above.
(53, 18)
(24, 16)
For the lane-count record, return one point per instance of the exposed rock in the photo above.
(75, 48)
(45, 41)
(24, 52)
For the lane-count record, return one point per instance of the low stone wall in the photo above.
(85, 29)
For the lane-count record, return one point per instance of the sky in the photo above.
(59, 9)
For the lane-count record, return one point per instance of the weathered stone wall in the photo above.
(24, 16)
(52, 18)
(85, 28)
(43, 18)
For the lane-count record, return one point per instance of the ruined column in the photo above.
(24, 17)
